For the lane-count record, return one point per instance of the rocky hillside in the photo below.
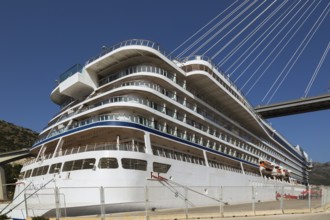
(320, 174)
(13, 137)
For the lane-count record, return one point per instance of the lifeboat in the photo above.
(286, 173)
(277, 171)
(265, 167)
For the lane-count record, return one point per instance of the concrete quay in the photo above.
(292, 209)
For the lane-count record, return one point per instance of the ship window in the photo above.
(40, 171)
(68, 166)
(88, 163)
(79, 164)
(28, 174)
(134, 164)
(108, 163)
(161, 167)
(34, 172)
(55, 168)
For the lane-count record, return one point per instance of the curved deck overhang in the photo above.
(136, 54)
(121, 57)
(208, 87)
(57, 97)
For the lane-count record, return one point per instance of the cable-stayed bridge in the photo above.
(266, 47)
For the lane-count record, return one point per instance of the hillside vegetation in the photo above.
(13, 137)
(320, 174)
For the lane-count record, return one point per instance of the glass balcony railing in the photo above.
(71, 71)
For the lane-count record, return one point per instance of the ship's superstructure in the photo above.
(132, 111)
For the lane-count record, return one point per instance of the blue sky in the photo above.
(41, 39)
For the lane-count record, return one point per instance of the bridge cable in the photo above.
(234, 38)
(202, 28)
(224, 27)
(282, 48)
(228, 32)
(232, 52)
(276, 23)
(310, 35)
(317, 70)
(265, 47)
(209, 31)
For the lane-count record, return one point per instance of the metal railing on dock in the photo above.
(174, 201)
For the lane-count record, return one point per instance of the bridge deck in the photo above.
(298, 106)
(8, 157)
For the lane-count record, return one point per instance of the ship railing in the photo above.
(137, 147)
(157, 70)
(157, 107)
(71, 71)
(131, 42)
(156, 87)
(160, 108)
(158, 126)
(234, 90)
(102, 147)
(153, 86)
(233, 87)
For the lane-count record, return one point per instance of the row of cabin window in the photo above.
(188, 68)
(158, 151)
(104, 163)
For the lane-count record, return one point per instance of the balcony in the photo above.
(73, 83)
(77, 85)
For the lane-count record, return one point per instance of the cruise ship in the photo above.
(131, 115)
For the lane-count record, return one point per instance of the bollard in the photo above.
(146, 195)
(282, 200)
(186, 202)
(102, 200)
(221, 202)
(253, 200)
(57, 203)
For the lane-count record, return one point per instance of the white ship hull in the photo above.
(131, 114)
(125, 190)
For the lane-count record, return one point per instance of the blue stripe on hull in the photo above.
(141, 127)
